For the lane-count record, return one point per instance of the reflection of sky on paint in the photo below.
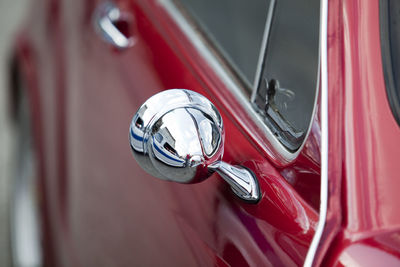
(183, 130)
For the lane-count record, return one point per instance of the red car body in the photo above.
(99, 208)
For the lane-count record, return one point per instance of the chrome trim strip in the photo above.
(279, 151)
(309, 261)
(25, 222)
(263, 49)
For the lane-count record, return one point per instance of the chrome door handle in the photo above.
(105, 18)
(178, 135)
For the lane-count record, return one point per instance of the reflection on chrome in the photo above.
(178, 135)
(105, 17)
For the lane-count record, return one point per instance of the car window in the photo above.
(390, 43)
(288, 83)
(276, 44)
(235, 27)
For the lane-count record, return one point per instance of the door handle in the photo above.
(106, 16)
(178, 135)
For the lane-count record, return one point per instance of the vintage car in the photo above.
(272, 125)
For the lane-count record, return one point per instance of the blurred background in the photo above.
(12, 13)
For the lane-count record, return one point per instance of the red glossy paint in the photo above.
(100, 208)
(376, 250)
(363, 222)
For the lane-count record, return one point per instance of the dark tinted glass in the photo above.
(236, 27)
(390, 40)
(289, 77)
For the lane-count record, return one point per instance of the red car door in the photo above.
(114, 213)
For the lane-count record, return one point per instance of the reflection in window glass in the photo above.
(287, 84)
(236, 27)
(289, 79)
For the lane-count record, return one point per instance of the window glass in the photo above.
(289, 78)
(390, 40)
(235, 27)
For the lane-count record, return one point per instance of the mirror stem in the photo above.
(242, 180)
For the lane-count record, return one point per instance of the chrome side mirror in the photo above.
(178, 135)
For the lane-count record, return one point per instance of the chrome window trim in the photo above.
(324, 193)
(263, 49)
(278, 150)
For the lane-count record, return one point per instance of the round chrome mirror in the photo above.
(178, 135)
